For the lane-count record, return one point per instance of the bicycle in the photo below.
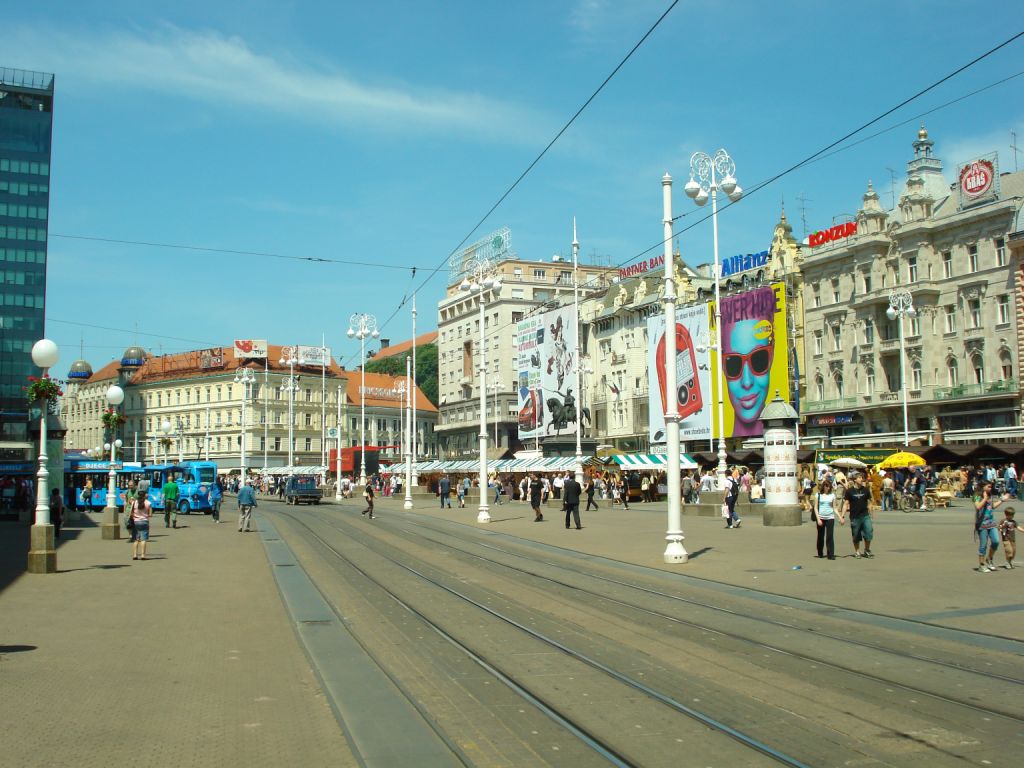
(911, 502)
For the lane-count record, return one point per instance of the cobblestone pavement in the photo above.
(186, 659)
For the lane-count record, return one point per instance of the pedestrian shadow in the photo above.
(103, 567)
(17, 648)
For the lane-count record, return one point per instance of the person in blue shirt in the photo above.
(246, 502)
(445, 490)
(216, 497)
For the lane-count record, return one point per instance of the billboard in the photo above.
(318, 356)
(693, 375)
(755, 359)
(250, 348)
(547, 373)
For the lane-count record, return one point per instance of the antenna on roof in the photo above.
(803, 212)
(892, 193)
(1013, 147)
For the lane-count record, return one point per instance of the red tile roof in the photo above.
(404, 346)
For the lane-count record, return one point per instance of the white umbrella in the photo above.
(849, 463)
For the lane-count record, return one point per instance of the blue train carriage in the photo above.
(194, 479)
(77, 473)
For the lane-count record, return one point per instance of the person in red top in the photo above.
(141, 511)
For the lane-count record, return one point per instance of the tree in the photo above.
(426, 369)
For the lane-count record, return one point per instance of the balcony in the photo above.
(1001, 387)
(888, 397)
(889, 345)
(618, 358)
(830, 405)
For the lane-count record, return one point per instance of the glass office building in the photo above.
(26, 122)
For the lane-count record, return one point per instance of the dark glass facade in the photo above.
(26, 122)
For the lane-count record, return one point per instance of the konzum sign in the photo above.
(832, 233)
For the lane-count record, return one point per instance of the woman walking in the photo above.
(825, 512)
(985, 527)
(368, 495)
(141, 511)
(536, 488)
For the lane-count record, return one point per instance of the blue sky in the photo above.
(382, 132)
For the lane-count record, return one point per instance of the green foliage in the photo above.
(426, 369)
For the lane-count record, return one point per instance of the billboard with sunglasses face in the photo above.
(754, 357)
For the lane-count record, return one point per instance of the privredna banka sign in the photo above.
(832, 233)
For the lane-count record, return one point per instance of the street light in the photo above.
(291, 386)
(485, 278)
(494, 386)
(166, 427)
(246, 378)
(361, 325)
(110, 529)
(576, 355)
(704, 179)
(409, 437)
(901, 304)
(337, 453)
(42, 553)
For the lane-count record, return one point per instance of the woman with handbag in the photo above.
(825, 510)
(140, 512)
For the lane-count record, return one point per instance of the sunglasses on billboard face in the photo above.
(760, 361)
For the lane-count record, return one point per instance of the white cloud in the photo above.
(214, 68)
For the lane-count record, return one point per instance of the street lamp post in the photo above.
(901, 304)
(110, 529)
(337, 454)
(42, 553)
(494, 386)
(409, 437)
(576, 355)
(291, 386)
(166, 428)
(361, 325)
(707, 174)
(246, 378)
(485, 278)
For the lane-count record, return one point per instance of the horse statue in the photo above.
(563, 412)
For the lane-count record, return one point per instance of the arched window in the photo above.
(915, 375)
(952, 372)
(979, 369)
(819, 388)
(838, 382)
(1006, 365)
(869, 381)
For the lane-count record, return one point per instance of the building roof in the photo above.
(404, 346)
(381, 391)
(204, 362)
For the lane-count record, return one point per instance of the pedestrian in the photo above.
(246, 502)
(590, 494)
(368, 495)
(985, 527)
(444, 489)
(558, 485)
(280, 487)
(572, 491)
(624, 490)
(732, 495)
(686, 487)
(464, 491)
(645, 490)
(858, 509)
(140, 512)
(87, 494)
(1008, 532)
(170, 491)
(216, 498)
(56, 511)
(536, 489)
(497, 490)
(130, 494)
(824, 513)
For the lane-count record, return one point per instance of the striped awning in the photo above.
(651, 461)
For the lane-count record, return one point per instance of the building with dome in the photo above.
(946, 242)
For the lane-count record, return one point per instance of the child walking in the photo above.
(1008, 528)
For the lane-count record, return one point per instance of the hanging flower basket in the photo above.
(43, 388)
(112, 419)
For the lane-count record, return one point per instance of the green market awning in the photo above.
(658, 461)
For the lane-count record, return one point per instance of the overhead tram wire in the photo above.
(235, 252)
(133, 331)
(757, 187)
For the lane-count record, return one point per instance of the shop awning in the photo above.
(657, 461)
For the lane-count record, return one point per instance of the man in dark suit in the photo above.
(572, 491)
(445, 491)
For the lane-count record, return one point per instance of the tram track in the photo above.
(897, 653)
(602, 746)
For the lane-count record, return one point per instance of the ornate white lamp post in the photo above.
(484, 279)
(361, 325)
(291, 386)
(42, 554)
(409, 437)
(901, 304)
(110, 529)
(337, 454)
(246, 378)
(166, 427)
(576, 354)
(707, 174)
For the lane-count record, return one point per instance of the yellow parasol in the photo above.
(901, 459)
